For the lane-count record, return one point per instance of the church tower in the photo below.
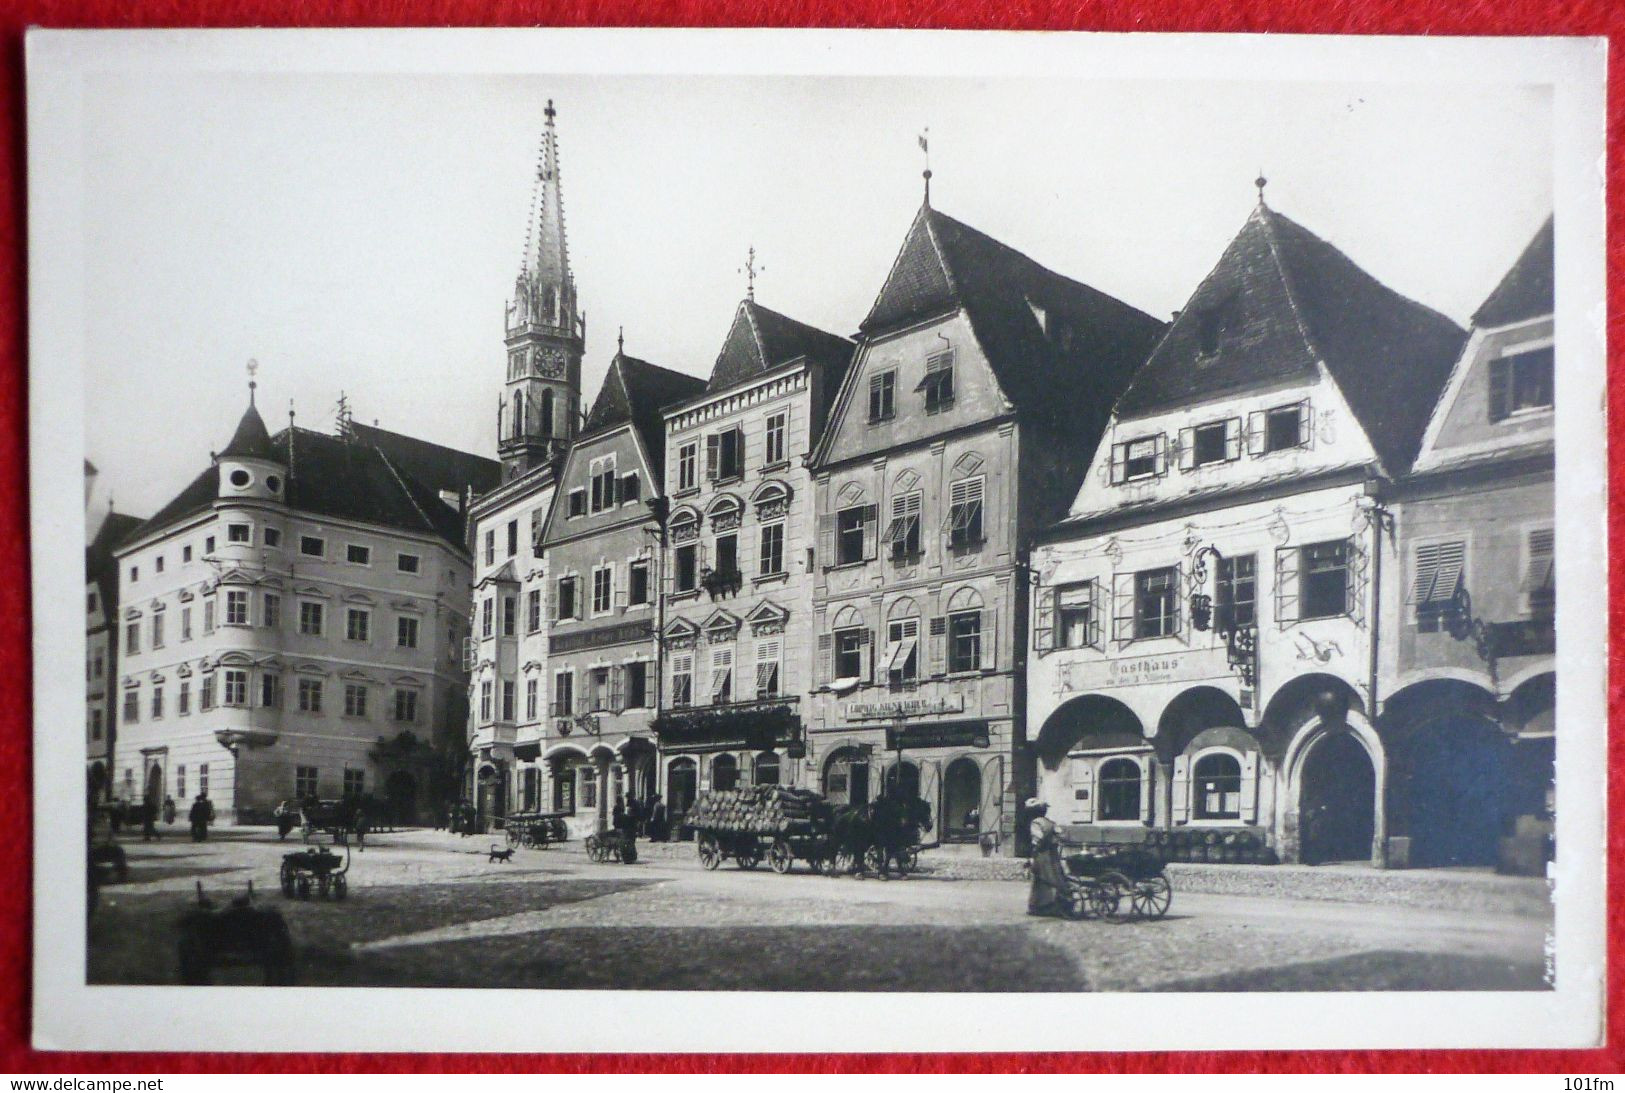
(541, 401)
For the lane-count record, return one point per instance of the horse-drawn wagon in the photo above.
(1116, 883)
(775, 824)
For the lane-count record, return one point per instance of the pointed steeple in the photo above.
(545, 289)
(252, 440)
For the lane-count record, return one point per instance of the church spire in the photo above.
(544, 270)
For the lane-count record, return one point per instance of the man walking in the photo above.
(202, 815)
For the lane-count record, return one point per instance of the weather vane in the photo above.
(750, 269)
(925, 146)
(253, 367)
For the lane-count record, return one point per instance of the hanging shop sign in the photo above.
(949, 734)
(905, 707)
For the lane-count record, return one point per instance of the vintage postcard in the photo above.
(829, 541)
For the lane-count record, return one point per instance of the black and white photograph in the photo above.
(816, 540)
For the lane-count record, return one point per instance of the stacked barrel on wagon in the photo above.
(779, 822)
(1229, 847)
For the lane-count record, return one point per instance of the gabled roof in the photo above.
(1526, 291)
(346, 478)
(1283, 301)
(636, 391)
(435, 465)
(945, 264)
(99, 554)
(762, 339)
(251, 440)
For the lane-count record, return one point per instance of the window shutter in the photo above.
(1500, 388)
(713, 447)
(1306, 425)
(581, 594)
(826, 540)
(1249, 787)
(990, 639)
(1182, 790)
(992, 803)
(1426, 573)
(1358, 566)
(617, 688)
(1160, 447)
(938, 645)
(1232, 439)
(550, 606)
(1083, 791)
(1255, 432)
(1148, 783)
(866, 653)
(1119, 463)
(1187, 449)
(1122, 608)
(1286, 586)
(1091, 635)
(620, 598)
(1044, 620)
(1179, 604)
(871, 531)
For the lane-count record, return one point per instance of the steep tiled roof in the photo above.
(762, 339)
(1526, 291)
(99, 554)
(434, 465)
(1281, 299)
(945, 264)
(344, 478)
(251, 440)
(636, 391)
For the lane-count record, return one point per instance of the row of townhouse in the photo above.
(1307, 589)
(1283, 566)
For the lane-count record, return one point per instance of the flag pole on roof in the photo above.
(925, 146)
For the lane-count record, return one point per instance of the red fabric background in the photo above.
(1440, 17)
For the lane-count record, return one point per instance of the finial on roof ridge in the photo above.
(750, 269)
(620, 341)
(1261, 182)
(253, 367)
(925, 146)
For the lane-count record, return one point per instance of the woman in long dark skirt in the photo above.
(1049, 874)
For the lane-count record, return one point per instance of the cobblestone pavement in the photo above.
(430, 909)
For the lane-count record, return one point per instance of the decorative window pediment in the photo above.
(310, 668)
(767, 617)
(132, 612)
(409, 606)
(772, 499)
(359, 597)
(725, 512)
(270, 662)
(187, 595)
(184, 671)
(156, 605)
(531, 666)
(721, 626)
(311, 590)
(358, 676)
(850, 494)
(270, 581)
(156, 677)
(131, 681)
(235, 658)
(406, 681)
(681, 634)
(235, 576)
(684, 525)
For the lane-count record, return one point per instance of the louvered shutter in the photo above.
(1179, 604)
(713, 446)
(1249, 787)
(1500, 388)
(866, 654)
(1358, 571)
(1232, 439)
(1256, 432)
(1083, 790)
(617, 689)
(1187, 449)
(1091, 636)
(826, 540)
(1148, 784)
(581, 599)
(1306, 425)
(552, 605)
(1287, 560)
(1427, 574)
(937, 645)
(990, 639)
(992, 803)
(1119, 463)
(871, 531)
(826, 658)
(1159, 446)
(1122, 608)
(1181, 809)
(1044, 620)
(619, 592)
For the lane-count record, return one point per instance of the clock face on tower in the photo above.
(550, 362)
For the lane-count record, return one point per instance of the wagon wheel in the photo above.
(710, 852)
(842, 862)
(287, 879)
(323, 883)
(1078, 901)
(1113, 897)
(780, 856)
(302, 887)
(875, 860)
(341, 887)
(1152, 895)
(908, 860)
(748, 855)
(516, 835)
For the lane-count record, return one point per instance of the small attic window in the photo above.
(1213, 322)
(240, 478)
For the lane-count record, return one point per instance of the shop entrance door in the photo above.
(846, 779)
(682, 783)
(1457, 780)
(1337, 809)
(961, 799)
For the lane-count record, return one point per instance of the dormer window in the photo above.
(938, 383)
(1278, 429)
(1521, 383)
(1213, 323)
(1138, 459)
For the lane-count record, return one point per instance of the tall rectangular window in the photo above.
(902, 651)
(682, 679)
(183, 698)
(603, 590)
(1237, 602)
(1077, 622)
(850, 525)
(883, 396)
(186, 624)
(355, 782)
(310, 618)
(485, 700)
(1440, 572)
(236, 608)
(406, 705)
(203, 779)
(722, 674)
(531, 690)
(513, 538)
(510, 616)
(938, 383)
(208, 616)
(687, 569)
(507, 699)
(1520, 383)
(132, 637)
(205, 698)
(602, 483)
(533, 611)
(903, 533)
(355, 700)
(849, 652)
(687, 467)
(771, 556)
(637, 684)
(725, 455)
(158, 629)
(773, 447)
(1540, 576)
(767, 668)
(564, 685)
(1324, 580)
(727, 560)
(965, 513)
(964, 641)
(1156, 603)
(565, 601)
(304, 782)
(406, 632)
(488, 617)
(157, 701)
(490, 547)
(271, 617)
(235, 691)
(180, 781)
(270, 690)
(637, 582)
(132, 706)
(358, 624)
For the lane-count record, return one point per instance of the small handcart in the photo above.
(1116, 883)
(608, 846)
(535, 830)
